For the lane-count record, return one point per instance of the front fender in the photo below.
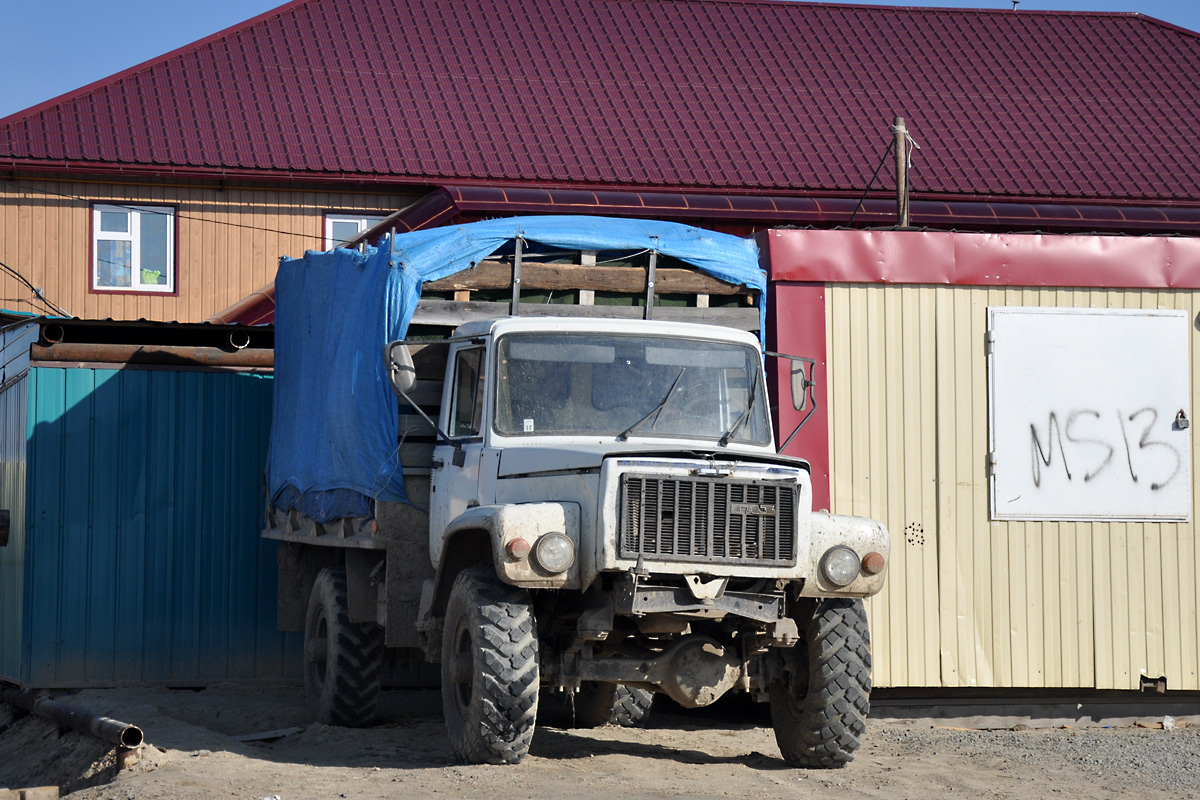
(860, 534)
(529, 521)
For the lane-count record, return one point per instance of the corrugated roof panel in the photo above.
(658, 94)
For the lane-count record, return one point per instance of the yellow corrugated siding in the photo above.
(971, 601)
(229, 241)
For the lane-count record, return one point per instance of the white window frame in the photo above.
(363, 221)
(134, 237)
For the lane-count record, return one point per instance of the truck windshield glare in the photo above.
(628, 385)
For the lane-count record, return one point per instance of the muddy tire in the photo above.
(599, 704)
(489, 669)
(343, 661)
(820, 703)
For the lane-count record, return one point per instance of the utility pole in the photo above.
(900, 147)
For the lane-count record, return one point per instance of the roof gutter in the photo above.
(768, 205)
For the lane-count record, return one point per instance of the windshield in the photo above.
(629, 386)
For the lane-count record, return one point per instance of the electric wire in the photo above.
(871, 183)
(37, 293)
(132, 206)
(129, 206)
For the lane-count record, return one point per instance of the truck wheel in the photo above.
(599, 704)
(489, 669)
(343, 661)
(819, 705)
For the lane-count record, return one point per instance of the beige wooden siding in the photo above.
(229, 241)
(971, 601)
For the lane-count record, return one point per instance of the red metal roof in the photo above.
(729, 96)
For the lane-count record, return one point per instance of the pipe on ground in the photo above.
(103, 728)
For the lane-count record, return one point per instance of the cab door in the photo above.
(454, 483)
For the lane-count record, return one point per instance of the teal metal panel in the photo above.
(104, 552)
(43, 522)
(14, 405)
(144, 560)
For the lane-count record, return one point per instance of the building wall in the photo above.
(229, 241)
(970, 601)
(13, 404)
(143, 560)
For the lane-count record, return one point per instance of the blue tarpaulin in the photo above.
(335, 422)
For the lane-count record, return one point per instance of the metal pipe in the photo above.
(108, 730)
(239, 340)
(52, 333)
(169, 355)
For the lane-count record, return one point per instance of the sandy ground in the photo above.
(192, 754)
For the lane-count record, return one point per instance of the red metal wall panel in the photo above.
(982, 259)
(796, 325)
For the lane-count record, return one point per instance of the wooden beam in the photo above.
(449, 313)
(566, 277)
(587, 258)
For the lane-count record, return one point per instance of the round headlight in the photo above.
(840, 565)
(554, 552)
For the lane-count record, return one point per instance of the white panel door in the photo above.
(1088, 414)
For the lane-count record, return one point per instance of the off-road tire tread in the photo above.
(355, 672)
(613, 704)
(821, 725)
(500, 719)
(631, 707)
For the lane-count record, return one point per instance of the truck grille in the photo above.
(709, 520)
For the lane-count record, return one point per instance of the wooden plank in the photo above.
(416, 457)
(428, 395)
(568, 277)
(449, 313)
(266, 736)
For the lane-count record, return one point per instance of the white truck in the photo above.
(606, 516)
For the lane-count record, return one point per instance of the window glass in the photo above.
(114, 263)
(155, 240)
(343, 231)
(134, 248)
(467, 401)
(114, 221)
(339, 228)
(629, 385)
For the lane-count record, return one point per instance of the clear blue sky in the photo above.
(55, 46)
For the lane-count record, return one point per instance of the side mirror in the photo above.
(800, 384)
(803, 380)
(401, 371)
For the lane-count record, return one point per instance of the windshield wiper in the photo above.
(737, 426)
(623, 435)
